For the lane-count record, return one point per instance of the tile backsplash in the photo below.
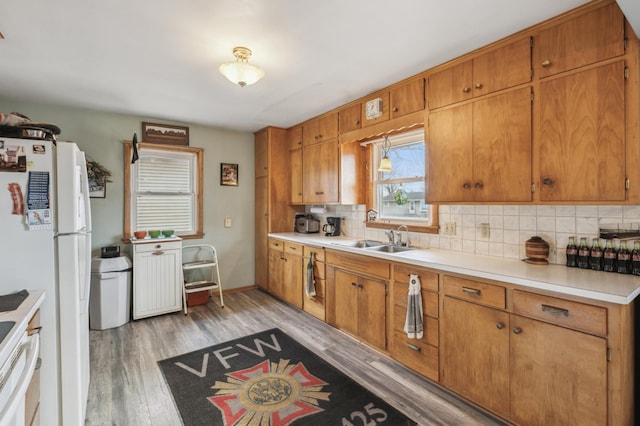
(509, 226)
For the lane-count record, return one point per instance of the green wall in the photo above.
(100, 135)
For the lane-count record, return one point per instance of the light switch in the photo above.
(227, 221)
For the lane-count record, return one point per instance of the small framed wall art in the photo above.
(228, 174)
(164, 133)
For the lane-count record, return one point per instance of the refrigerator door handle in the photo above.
(84, 191)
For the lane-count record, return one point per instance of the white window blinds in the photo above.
(165, 191)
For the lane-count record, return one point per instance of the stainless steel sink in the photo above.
(360, 244)
(390, 249)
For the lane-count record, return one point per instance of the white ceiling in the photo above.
(160, 58)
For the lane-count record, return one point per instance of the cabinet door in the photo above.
(261, 231)
(328, 127)
(294, 137)
(372, 312)
(346, 306)
(157, 283)
(261, 153)
(350, 118)
(475, 353)
(558, 376)
(502, 68)
(407, 98)
(320, 168)
(352, 173)
(292, 280)
(450, 155)
(295, 162)
(584, 40)
(276, 273)
(580, 141)
(452, 84)
(502, 147)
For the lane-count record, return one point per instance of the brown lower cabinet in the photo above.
(529, 356)
(540, 360)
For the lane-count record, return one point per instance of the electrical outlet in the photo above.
(485, 230)
(450, 228)
(227, 221)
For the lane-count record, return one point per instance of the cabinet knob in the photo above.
(517, 330)
(299, 142)
(466, 89)
(547, 181)
(359, 285)
(499, 326)
(546, 63)
(356, 122)
(353, 284)
(478, 85)
(478, 185)
(466, 185)
(395, 109)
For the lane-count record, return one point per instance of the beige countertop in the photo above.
(597, 285)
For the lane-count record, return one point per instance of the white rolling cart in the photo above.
(199, 256)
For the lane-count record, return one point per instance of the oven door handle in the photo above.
(31, 346)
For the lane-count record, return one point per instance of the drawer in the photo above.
(318, 253)
(475, 291)
(359, 264)
(293, 248)
(157, 245)
(429, 299)
(416, 355)
(576, 315)
(428, 279)
(431, 334)
(276, 244)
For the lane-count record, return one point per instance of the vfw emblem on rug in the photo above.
(269, 393)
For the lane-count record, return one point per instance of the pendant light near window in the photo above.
(241, 72)
(385, 162)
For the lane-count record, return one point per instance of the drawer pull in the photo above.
(471, 291)
(554, 311)
(413, 347)
(546, 63)
(499, 326)
(319, 192)
(157, 253)
(517, 330)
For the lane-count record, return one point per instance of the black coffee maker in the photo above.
(332, 228)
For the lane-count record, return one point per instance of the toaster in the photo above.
(307, 225)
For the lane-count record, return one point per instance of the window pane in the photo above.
(164, 174)
(405, 201)
(407, 161)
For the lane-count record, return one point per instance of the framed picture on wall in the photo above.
(163, 133)
(96, 190)
(228, 174)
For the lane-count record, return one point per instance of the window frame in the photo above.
(414, 225)
(128, 190)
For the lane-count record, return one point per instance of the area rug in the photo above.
(269, 379)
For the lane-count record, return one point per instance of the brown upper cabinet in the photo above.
(583, 40)
(350, 118)
(261, 154)
(320, 129)
(481, 151)
(495, 70)
(320, 173)
(294, 137)
(407, 98)
(580, 141)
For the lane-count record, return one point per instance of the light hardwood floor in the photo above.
(127, 387)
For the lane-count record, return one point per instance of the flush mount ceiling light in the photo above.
(241, 72)
(385, 162)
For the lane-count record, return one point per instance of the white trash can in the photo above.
(110, 297)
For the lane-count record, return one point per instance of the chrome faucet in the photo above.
(391, 235)
(405, 242)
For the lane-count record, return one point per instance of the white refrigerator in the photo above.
(45, 244)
